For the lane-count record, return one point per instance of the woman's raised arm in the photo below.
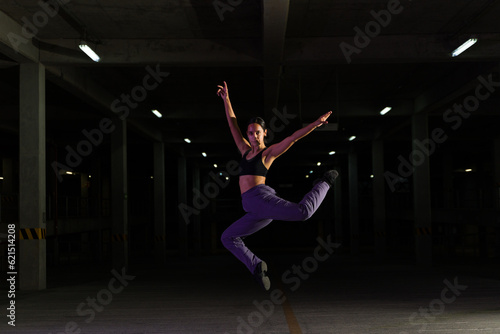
(242, 144)
(279, 148)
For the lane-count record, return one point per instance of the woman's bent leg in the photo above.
(232, 239)
(280, 209)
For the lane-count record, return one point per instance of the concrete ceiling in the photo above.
(299, 57)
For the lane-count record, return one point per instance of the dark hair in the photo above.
(259, 121)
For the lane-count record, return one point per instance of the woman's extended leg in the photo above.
(233, 235)
(269, 205)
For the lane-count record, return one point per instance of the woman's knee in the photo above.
(225, 238)
(228, 240)
(304, 214)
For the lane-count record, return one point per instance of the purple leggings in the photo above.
(262, 207)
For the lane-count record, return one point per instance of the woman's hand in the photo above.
(323, 119)
(222, 91)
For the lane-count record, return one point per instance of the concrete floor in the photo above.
(310, 293)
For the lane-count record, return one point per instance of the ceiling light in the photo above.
(215, 165)
(385, 110)
(157, 113)
(1, 177)
(204, 154)
(88, 51)
(331, 153)
(470, 42)
(318, 164)
(468, 170)
(187, 140)
(352, 138)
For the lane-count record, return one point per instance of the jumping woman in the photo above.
(259, 200)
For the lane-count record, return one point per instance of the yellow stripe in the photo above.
(119, 237)
(424, 231)
(32, 233)
(291, 320)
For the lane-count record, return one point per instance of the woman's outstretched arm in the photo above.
(278, 149)
(242, 144)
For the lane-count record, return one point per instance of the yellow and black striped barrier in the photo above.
(32, 233)
(159, 237)
(119, 237)
(423, 231)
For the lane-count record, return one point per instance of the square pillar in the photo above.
(32, 183)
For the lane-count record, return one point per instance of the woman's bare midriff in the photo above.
(247, 182)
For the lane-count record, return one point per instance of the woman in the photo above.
(259, 200)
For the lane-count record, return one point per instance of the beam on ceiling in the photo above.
(78, 83)
(385, 49)
(15, 42)
(275, 19)
(168, 51)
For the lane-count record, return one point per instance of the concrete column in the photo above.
(354, 202)
(496, 169)
(337, 194)
(119, 194)
(159, 203)
(8, 176)
(379, 218)
(8, 203)
(32, 183)
(96, 188)
(182, 198)
(421, 190)
(447, 168)
(196, 219)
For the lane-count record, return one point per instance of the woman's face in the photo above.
(256, 134)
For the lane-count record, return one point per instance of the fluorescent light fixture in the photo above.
(69, 173)
(1, 177)
(307, 176)
(157, 113)
(310, 172)
(318, 164)
(385, 110)
(89, 52)
(187, 140)
(470, 42)
(371, 176)
(352, 138)
(468, 170)
(215, 165)
(204, 154)
(331, 153)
